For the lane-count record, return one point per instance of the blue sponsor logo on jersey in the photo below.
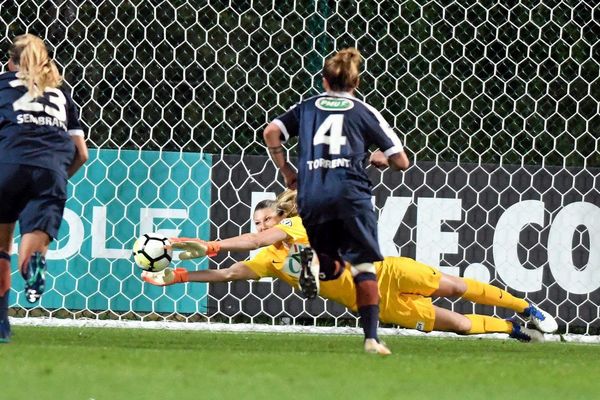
(334, 104)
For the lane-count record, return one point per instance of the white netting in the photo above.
(496, 101)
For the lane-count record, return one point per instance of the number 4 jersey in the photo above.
(334, 132)
(36, 131)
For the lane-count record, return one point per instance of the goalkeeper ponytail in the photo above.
(285, 204)
(29, 54)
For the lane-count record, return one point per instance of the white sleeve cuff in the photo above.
(75, 132)
(394, 150)
(283, 129)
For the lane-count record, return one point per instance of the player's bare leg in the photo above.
(6, 236)
(486, 294)
(32, 263)
(367, 301)
(446, 320)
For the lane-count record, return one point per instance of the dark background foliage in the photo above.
(512, 82)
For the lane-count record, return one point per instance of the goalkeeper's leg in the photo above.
(472, 324)
(486, 294)
(478, 292)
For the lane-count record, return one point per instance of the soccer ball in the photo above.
(150, 254)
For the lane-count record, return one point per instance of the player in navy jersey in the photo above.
(41, 147)
(335, 131)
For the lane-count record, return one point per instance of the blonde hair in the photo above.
(36, 68)
(342, 70)
(285, 204)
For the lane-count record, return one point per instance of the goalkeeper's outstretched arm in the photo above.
(169, 276)
(196, 248)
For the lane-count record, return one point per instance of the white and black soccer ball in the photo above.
(152, 252)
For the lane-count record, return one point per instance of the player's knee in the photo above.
(463, 325)
(363, 268)
(452, 286)
(367, 291)
(460, 287)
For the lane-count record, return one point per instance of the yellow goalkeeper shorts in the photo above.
(405, 286)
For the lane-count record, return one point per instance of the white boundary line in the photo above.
(264, 328)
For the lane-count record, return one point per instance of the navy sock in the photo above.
(369, 318)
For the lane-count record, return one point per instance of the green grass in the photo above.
(87, 363)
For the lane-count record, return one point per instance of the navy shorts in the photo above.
(353, 239)
(33, 196)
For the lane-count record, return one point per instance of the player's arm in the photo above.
(272, 137)
(81, 154)
(397, 161)
(196, 248)
(391, 150)
(169, 276)
(75, 130)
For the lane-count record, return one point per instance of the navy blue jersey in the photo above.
(334, 132)
(36, 131)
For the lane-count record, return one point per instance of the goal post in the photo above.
(496, 102)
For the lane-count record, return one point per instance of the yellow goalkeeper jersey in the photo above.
(404, 283)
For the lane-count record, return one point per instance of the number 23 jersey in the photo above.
(334, 132)
(36, 131)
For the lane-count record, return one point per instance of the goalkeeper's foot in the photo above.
(4, 330)
(34, 274)
(542, 320)
(166, 277)
(309, 274)
(524, 334)
(374, 346)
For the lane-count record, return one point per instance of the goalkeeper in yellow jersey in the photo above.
(406, 286)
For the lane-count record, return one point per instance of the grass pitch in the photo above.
(100, 363)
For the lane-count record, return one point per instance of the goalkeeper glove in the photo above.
(166, 277)
(195, 248)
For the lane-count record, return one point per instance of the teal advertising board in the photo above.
(117, 196)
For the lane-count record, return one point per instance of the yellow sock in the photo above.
(486, 324)
(482, 293)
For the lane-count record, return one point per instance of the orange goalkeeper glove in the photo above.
(195, 248)
(166, 277)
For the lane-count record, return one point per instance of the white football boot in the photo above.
(374, 347)
(524, 334)
(542, 320)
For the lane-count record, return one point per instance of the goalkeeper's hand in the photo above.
(194, 248)
(166, 277)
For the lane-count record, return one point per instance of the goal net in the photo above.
(497, 103)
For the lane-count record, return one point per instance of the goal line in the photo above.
(279, 329)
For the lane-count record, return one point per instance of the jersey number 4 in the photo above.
(335, 139)
(29, 103)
